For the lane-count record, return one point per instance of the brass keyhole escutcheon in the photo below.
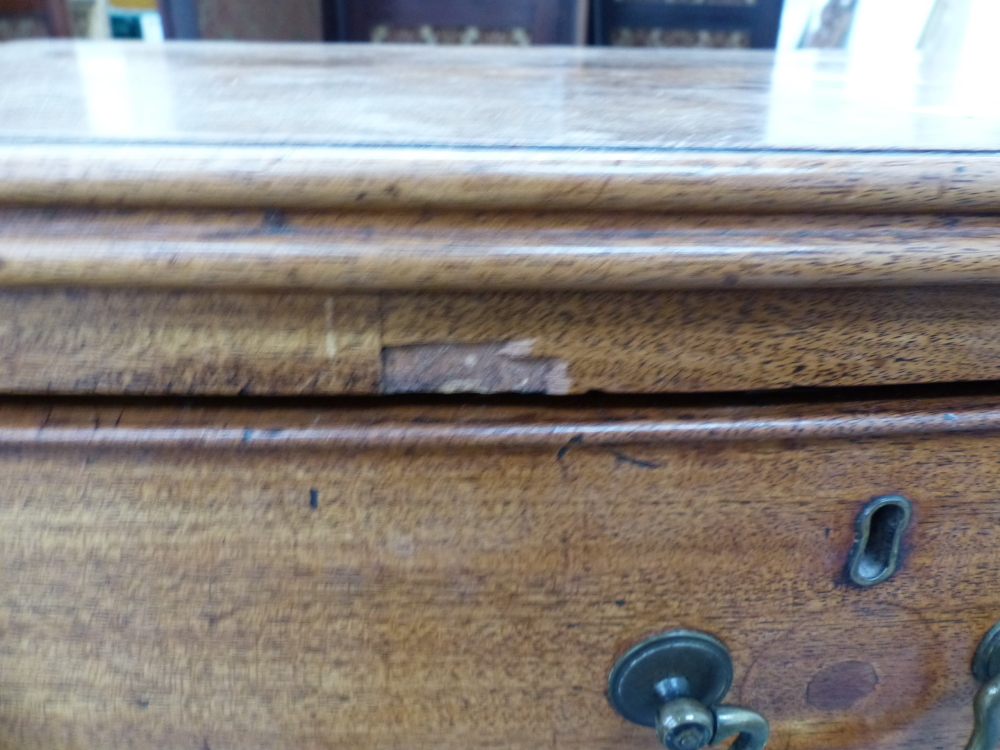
(674, 682)
(879, 530)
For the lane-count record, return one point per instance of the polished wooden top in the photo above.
(401, 95)
(319, 127)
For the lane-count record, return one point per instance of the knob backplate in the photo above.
(688, 663)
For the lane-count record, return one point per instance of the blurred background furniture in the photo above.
(34, 18)
(180, 19)
(668, 23)
(250, 20)
(134, 19)
(715, 23)
(456, 21)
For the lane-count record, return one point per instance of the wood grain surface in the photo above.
(291, 220)
(490, 250)
(99, 341)
(315, 303)
(219, 93)
(96, 341)
(189, 578)
(155, 175)
(330, 127)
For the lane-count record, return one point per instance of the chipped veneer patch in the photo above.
(501, 367)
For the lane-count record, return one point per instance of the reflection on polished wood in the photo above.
(208, 92)
(281, 125)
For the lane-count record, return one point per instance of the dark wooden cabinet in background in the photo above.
(749, 23)
(53, 14)
(536, 22)
(532, 21)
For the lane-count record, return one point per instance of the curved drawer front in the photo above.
(466, 578)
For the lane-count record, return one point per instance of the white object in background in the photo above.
(99, 27)
(152, 27)
(795, 18)
(882, 28)
(964, 62)
(877, 25)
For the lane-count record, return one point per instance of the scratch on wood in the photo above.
(331, 329)
(575, 440)
(500, 367)
(622, 458)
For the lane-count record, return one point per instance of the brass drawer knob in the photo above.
(986, 706)
(674, 682)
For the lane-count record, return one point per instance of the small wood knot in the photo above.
(841, 685)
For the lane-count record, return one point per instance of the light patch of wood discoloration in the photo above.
(503, 367)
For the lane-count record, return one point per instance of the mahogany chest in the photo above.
(385, 397)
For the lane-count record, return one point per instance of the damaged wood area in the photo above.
(472, 368)
(141, 342)
(318, 303)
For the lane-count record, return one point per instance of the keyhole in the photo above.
(879, 530)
